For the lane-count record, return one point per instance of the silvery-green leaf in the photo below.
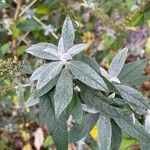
(87, 75)
(114, 79)
(63, 93)
(132, 96)
(104, 133)
(38, 51)
(32, 101)
(61, 48)
(68, 34)
(57, 127)
(88, 109)
(135, 130)
(77, 111)
(100, 103)
(131, 72)
(104, 73)
(49, 73)
(147, 121)
(82, 129)
(89, 61)
(76, 49)
(36, 74)
(116, 136)
(46, 88)
(117, 63)
(144, 145)
(51, 51)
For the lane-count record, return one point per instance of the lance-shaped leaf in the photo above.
(44, 50)
(117, 63)
(68, 34)
(32, 101)
(49, 73)
(46, 88)
(116, 136)
(75, 108)
(144, 145)
(91, 98)
(63, 92)
(131, 72)
(76, 49)
(87, 75)
(82, 129)
(36, 74)
(61, 48)
(132, 96)
(134, 129)
(57, 127)
(104, 133)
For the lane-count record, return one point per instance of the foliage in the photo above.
(86, 95)
(56, 103)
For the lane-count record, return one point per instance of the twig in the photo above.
(16, 15)
(23, 11)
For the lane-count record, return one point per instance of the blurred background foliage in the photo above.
(107, 26)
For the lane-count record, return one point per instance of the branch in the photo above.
(16, 15)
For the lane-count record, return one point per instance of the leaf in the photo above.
(82, 130)
(36, 74)
(32, 101)
(105, 133)
(46, 88)
(68, 34)
(92, 99)
(132, 96)
(38, 138)
(131, 72)
(63, 92)
(29, 25)
(135, 130)
(117, 63)
(87, 75)
(61, 48)
(89, 61)
(57, 127)
(49, 73)
(77, 111)
(116, 136)
(110, 86)
(39, 50)
(144, 145)
(76, 49)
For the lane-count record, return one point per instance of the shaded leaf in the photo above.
(83, 128)
(100, 103)
(116, 136)
(57, 127)
(132, 96)
(135, 130)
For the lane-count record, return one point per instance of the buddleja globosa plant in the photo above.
(76, 88)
